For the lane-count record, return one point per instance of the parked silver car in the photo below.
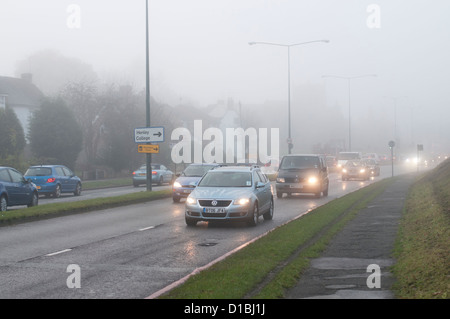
(231, 193)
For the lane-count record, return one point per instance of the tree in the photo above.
(55, 136)
(12, 137)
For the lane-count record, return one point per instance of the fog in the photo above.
(200, 54)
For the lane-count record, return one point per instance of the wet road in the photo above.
(128, 252)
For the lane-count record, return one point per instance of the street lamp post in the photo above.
(288, 46)
(349, 78)
(147, 100)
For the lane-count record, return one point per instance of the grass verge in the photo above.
(422, 248)
(59, 209)
(265, 268)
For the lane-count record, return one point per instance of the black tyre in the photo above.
(253, 220)
(269, 214)
(34, 200)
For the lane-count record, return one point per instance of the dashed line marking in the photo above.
(146, 228)
(58, 252)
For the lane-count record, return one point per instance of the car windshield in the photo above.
(353, 163)
(226, 179)
(39, 171)
(196, 170)
(299, 162)
(348, 156)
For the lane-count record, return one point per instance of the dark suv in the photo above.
(302, 174)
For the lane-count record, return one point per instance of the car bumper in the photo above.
(46, 189)
(143, 179)
(355, 175)
(297, 188)
(182, 191)
(231, 212)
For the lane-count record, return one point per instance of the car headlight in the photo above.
(312, 180)
(191, 200)
(176, 185)
(280, 180)
(242, 201)
(344, 170)
(362, 170)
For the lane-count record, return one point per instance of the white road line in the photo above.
(146, 228)
(58, 252)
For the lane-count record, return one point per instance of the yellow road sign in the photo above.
(144, 148)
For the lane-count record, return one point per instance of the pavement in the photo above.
(356, 263)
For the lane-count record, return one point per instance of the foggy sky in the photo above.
(199, 50)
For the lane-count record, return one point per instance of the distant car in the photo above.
(343, 157)
(232, 194)
(188, 179)
(160, 175)
(355, 169)
(53, 180)
(373, 167)
(15, 190)
(302, 173)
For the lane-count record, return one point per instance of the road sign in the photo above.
(146, 148)
(149, 135)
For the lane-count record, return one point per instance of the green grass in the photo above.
(115, 182)
(58, 209)
(280, 256)
(422, 269)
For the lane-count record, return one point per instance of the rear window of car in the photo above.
(39, 171)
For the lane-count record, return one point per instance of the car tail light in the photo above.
(51, 180)
(154, 173)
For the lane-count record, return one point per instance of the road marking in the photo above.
(58, 252)
(146, 228)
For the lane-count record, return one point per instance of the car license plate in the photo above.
(187, 191)
(214, 210)
(297, 186)
(38, 187)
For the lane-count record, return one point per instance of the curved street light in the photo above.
(288, 46)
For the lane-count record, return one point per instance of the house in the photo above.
(21, 95)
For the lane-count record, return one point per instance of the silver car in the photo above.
(231, 193)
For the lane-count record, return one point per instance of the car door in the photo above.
(71, 181)
(262, 192)
(61, 178)
(20, 191)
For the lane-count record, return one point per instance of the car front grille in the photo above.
(220, 203)
(294, 180)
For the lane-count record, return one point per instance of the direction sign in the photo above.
(147, 148)
(149, 135)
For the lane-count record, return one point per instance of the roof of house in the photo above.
(20, 92)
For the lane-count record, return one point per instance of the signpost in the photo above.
(391, 146)
(148, 148)
(149, 135)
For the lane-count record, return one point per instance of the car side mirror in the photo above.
(260, 185)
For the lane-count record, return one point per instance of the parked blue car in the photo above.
(188, 179)
(53, 180)
(15, 190)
